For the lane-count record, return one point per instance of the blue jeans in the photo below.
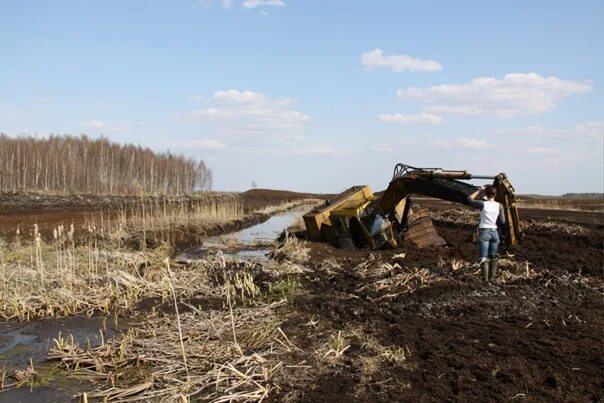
(488, 242)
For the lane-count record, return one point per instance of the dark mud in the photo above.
(465, 343)
(528, 339)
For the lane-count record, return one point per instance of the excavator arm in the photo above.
(447, 185)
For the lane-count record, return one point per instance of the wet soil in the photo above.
(26, 343)
(529, 339)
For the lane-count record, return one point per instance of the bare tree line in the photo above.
(71, 164)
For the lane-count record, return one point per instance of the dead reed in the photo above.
(145, 365)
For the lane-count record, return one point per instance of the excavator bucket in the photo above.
(421, 231)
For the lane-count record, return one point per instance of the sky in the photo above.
(317, 96)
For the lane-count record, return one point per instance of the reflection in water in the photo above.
(244, 243)
(266, 231)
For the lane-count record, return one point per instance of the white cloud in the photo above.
(515, 94)
(41, 100)
(521, 131)
(465, 143)
(100, 126)
(226, 4)
(375, 58)
(204, 144)
(385, 148)
(589, 129)
(93, 124)
(262, 3)
(203, 3)
(321, 152)
(581, 130)
(539, 151)
(240, 97)
(422, 118)
(249, 112)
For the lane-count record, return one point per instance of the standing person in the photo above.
(491, 216)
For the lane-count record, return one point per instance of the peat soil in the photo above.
(535, 337)
(23, 210)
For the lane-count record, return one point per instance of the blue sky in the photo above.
(319, 95)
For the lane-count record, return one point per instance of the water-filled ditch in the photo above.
(254, 242)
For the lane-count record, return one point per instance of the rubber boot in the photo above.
(494, 261)
(484, 269)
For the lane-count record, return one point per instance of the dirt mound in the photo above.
(536, 338)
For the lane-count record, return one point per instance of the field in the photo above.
(309, 323)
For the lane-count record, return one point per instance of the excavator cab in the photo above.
(359, 226)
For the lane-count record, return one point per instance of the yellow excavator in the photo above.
(357, 218)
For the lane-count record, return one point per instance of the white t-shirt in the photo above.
(489, 214)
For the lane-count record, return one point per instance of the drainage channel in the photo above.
(254, 242)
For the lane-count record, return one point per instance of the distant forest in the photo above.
(70, 164)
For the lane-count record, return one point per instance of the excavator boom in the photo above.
(356, 218)
(447, 185)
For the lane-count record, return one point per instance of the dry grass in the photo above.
(336, 347)
(293, 250)
(162, 216)
(587, 205)
(456, 216)
(147, 366)
(280, 208)
(390, 280)
(62, 278)
(469, 217)
(224, 354)
(217, 355)
(91, 270)
(554, 227)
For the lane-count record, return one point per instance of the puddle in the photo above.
(250, 243)
(21, 342)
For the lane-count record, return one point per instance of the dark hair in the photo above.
(490, 191)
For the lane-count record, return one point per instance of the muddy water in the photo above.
(269, 230)
(21, 342)
(250, 243)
